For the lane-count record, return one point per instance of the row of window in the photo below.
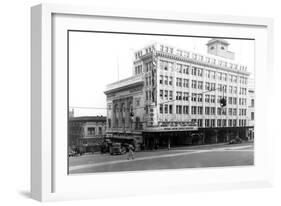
(184, 109)
(92, 131)
(184, 96)
(166, 109)
(182, 82)
(199, 85)
(196, 71)
(164, 94)
(202, 58)
(138, 69)
(166, 80)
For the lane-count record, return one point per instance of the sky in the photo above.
(98, 59)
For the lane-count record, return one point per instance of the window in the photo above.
(224, 123)
(230, 89)
(200, 122)
(219, 122)
(161, 108)
(185, 96)
(213, 86)
(179, 96)
(212, 123)
(252, 102)
(213, 110)
(219, 75)
(91, 130)
(161, 79)
(166, 109)
(200, 85)
(230, 122)
(207, 98)
(185, 83)
(179, 82)
(229, 100)
(185, 69)
(207, 110)
(200, 110)
(230, 111)
(194, 84)
(207, 123)
(179, 68)
(193, 110)
(100, 131)
(166, 80)
(252, 115)
(207, 86)
(166, 94)
(199, 72)
(193, 97)
(234, 112)
(193, 71)
(171, 109)
(179, 109)
(213, 98)
(170, 95)
(185, 110)
(200, 97)
(170, 80)
(208, 74)
(219, 110)
(223, 111)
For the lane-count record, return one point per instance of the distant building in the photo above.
(86, 133)
(251, 113)
(173, 97)
(71, 113)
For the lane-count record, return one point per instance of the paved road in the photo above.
(182, 157)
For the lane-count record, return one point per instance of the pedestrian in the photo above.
(130, 152)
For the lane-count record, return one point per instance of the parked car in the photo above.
(236, 140)
(117, 149)
(72, 153)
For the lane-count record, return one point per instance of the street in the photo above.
(182, 157)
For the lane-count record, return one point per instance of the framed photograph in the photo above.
(137, 102)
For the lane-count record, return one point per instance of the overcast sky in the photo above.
(94, 59)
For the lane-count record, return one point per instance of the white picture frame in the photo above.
(49, 179)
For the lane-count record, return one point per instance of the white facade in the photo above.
(180, 86)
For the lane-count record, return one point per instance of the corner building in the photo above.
(175, 95)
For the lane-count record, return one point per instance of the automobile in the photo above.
(72, 153)
(117, 149)
(236, 140)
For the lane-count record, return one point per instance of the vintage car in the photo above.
(236, 140)
(117, 149)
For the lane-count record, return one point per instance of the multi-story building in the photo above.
(251, 113)
(174, 97)
(86, 133)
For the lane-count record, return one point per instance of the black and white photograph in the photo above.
(139, 102)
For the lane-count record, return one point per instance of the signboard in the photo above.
(173, 126)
